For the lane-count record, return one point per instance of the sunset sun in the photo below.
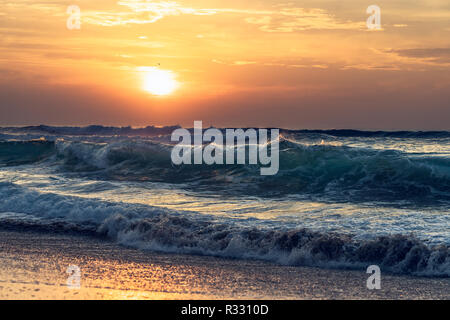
(159, 82)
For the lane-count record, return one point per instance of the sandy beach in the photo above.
(33, 266)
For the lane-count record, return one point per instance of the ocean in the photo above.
(342, 199)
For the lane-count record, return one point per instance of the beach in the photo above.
(33, 266)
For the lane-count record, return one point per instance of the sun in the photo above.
(159, 82)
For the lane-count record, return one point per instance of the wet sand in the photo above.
(34, 265)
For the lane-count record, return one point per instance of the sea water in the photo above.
(341, 198)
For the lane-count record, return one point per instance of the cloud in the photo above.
(433, 55)
(288, 19)
(310, 64)
(371, 67)
(143, 12)
(300, 19)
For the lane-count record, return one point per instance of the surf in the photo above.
(336, 172)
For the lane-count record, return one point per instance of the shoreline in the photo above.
(33, 265)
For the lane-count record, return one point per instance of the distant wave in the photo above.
(161, 229)
(337, 172)
(154, 131)
(92, 130)
(376, 134)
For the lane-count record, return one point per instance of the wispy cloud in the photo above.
(273, 64)
(300, 19)
(288, 19)
(371, 67)
(425, 55)
(143, 12)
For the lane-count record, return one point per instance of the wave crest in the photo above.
(337, 172)
(396, 253)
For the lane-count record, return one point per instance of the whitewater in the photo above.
(341, 199)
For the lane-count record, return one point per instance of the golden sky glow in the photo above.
(303, 64)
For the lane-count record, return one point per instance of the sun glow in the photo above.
(159, 82)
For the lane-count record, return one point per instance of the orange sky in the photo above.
(301, 64)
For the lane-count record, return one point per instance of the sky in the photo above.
(311, 64)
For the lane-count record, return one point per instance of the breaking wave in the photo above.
(337, 172)
(401, 254)
(162, 229)
(24, 152)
